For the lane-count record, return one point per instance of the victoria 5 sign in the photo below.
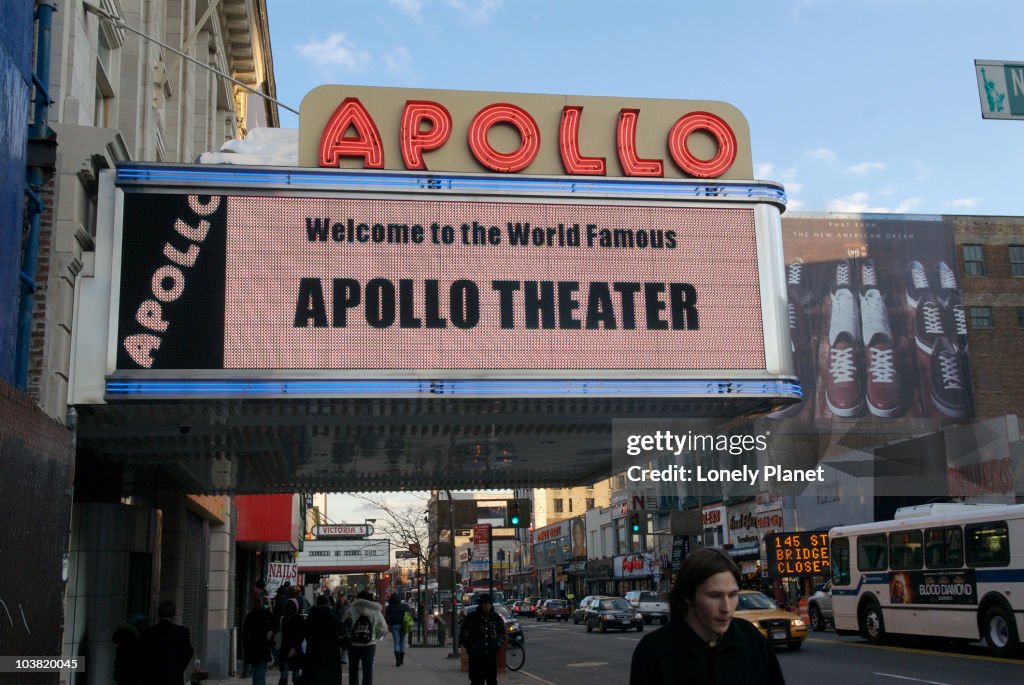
(390, 128)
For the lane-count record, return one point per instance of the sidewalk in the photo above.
(423, 665)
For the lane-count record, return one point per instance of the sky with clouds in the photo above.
(854, 105)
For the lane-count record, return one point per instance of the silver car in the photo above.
(819, 607)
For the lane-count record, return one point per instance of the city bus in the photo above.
(939, 570)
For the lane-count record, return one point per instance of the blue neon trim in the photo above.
(340, 179)
(142, 388)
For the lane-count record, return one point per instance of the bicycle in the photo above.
(515, 653)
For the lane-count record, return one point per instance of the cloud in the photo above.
(860, 203)
(795, 205)
(822, 153)
(964, 202)
(766, 170)
(413, 8)
(335, 51)
(799, 6)
(866, 168)
(477, 11)
(398, 61)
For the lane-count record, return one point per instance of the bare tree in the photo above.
(406, 528)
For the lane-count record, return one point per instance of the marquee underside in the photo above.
(362, 445)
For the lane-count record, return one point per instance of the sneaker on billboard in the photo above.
(884, 390)
(844, 275)
(928, 324)
(956, 323)
(949, 389)
(844, 393)
(798, 332)
(868, 275)
(917, 283)
(948, 290)
(796, 283)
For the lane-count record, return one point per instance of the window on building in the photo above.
(570, 505)
(590, 503)
(974, 260)
(558, 506)
(981, 317)
(1017, 260)
(1020, 317)
(106, 76)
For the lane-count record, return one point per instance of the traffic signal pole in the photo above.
(490, 560)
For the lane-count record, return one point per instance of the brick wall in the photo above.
(996, 372)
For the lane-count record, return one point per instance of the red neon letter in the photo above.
(569, 146)
(626, 138)
(413, 140)
(723, 135)
(504, 113)
(334, 144)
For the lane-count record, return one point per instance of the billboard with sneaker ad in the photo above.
(877, 321)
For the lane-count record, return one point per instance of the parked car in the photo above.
(557, 609)
(777, 625)
(651, 605)
(529, 606)
(577, 615)
(819, 607)
(612, 612)
(516, 607)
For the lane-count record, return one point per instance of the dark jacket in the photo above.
(323, 637)
(394, 614)
(258, 623)
(168, 651)
(293, 631)
(129, 658)
(675, 654)
(482, 633)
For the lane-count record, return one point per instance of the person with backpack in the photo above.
(394, 615)
(366, 627)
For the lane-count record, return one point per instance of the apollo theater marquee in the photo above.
(434, 243)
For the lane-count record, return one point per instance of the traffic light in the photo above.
(634, 522)
(517, 513)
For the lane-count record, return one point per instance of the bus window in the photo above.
(944, 547)
(840, 556)
(905, 550)
(988, 544)
(871, 553)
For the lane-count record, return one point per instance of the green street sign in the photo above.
(1001, 87)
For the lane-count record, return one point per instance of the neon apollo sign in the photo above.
(425, 125)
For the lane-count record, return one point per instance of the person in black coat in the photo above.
(128, 659)
(483, 634)
(323, 638)
(168, 648)
(257, 637)
(702, 644)
(292, 633)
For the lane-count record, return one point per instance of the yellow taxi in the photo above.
(779, 627)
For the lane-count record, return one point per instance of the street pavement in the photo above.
(565, 654)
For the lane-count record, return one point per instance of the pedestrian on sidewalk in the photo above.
(394, 615)
(257, 638)
(128, 659)
(167, 647)
(323, 638)
(701, 639)
(341, 605)
(292, 634)
(483, 634)
(366, 626)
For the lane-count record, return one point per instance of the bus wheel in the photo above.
(1000, 632)
(872, 627)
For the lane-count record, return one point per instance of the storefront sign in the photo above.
(633, 565)
(280, 573)
(463, 131)
(343, 530)
(344, 556)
